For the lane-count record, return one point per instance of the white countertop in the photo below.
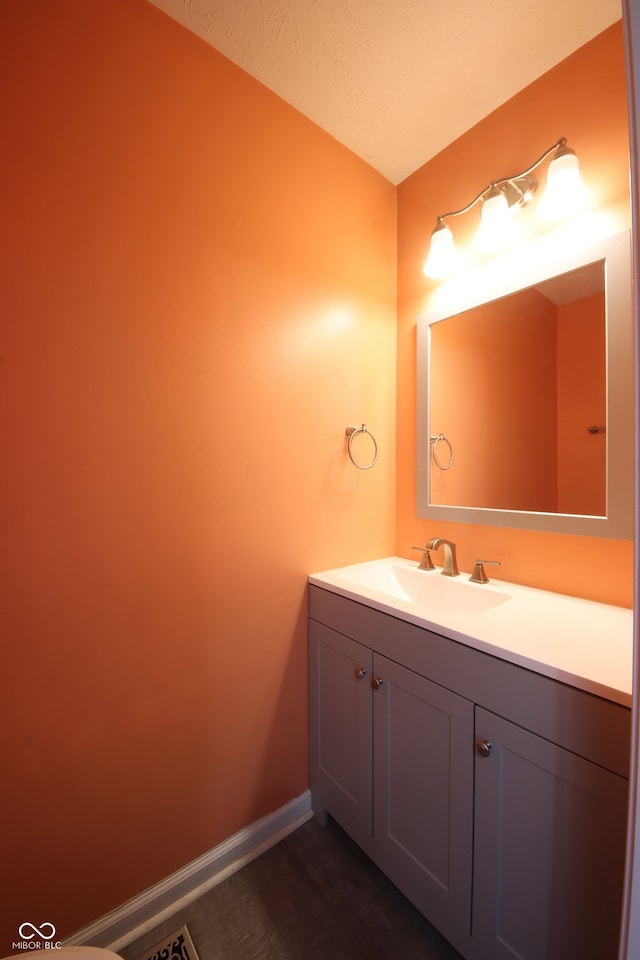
(585, 644)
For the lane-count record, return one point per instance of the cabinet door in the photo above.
(423, 793)
(549, 849)
(340, 730)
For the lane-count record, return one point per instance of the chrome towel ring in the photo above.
(352, 432)
(440, 438)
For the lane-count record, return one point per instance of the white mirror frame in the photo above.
(505, 276)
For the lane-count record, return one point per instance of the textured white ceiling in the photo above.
(395, 80)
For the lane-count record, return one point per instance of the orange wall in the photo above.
(497, 357)
(584, 99)
(197, 296)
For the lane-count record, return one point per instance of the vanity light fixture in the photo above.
(563, 196)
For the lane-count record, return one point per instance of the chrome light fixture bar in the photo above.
(564, 195)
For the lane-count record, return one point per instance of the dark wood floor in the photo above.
(314, 896)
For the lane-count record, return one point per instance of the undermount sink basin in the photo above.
(432, 592)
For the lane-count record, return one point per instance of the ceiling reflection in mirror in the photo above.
(525, 397)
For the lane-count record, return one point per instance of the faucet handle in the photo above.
(426, 563)
(479, 575)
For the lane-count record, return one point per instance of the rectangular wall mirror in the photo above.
(525, 395)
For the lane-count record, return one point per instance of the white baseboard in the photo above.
(136, 917)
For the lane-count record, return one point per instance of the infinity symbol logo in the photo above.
(37, 931)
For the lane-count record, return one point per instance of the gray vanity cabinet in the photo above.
(341, 734)
(392, 762)
(492, 796)
(423, 790)
(549, 848)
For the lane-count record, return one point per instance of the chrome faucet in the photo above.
(450, 566)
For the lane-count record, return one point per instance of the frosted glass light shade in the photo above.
(442, 260)
(495, 221)
(565, 193)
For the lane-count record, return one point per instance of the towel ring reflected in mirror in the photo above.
(435, 440)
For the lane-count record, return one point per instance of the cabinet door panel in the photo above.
(549, 849)
(423, 736)
(340, 742)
